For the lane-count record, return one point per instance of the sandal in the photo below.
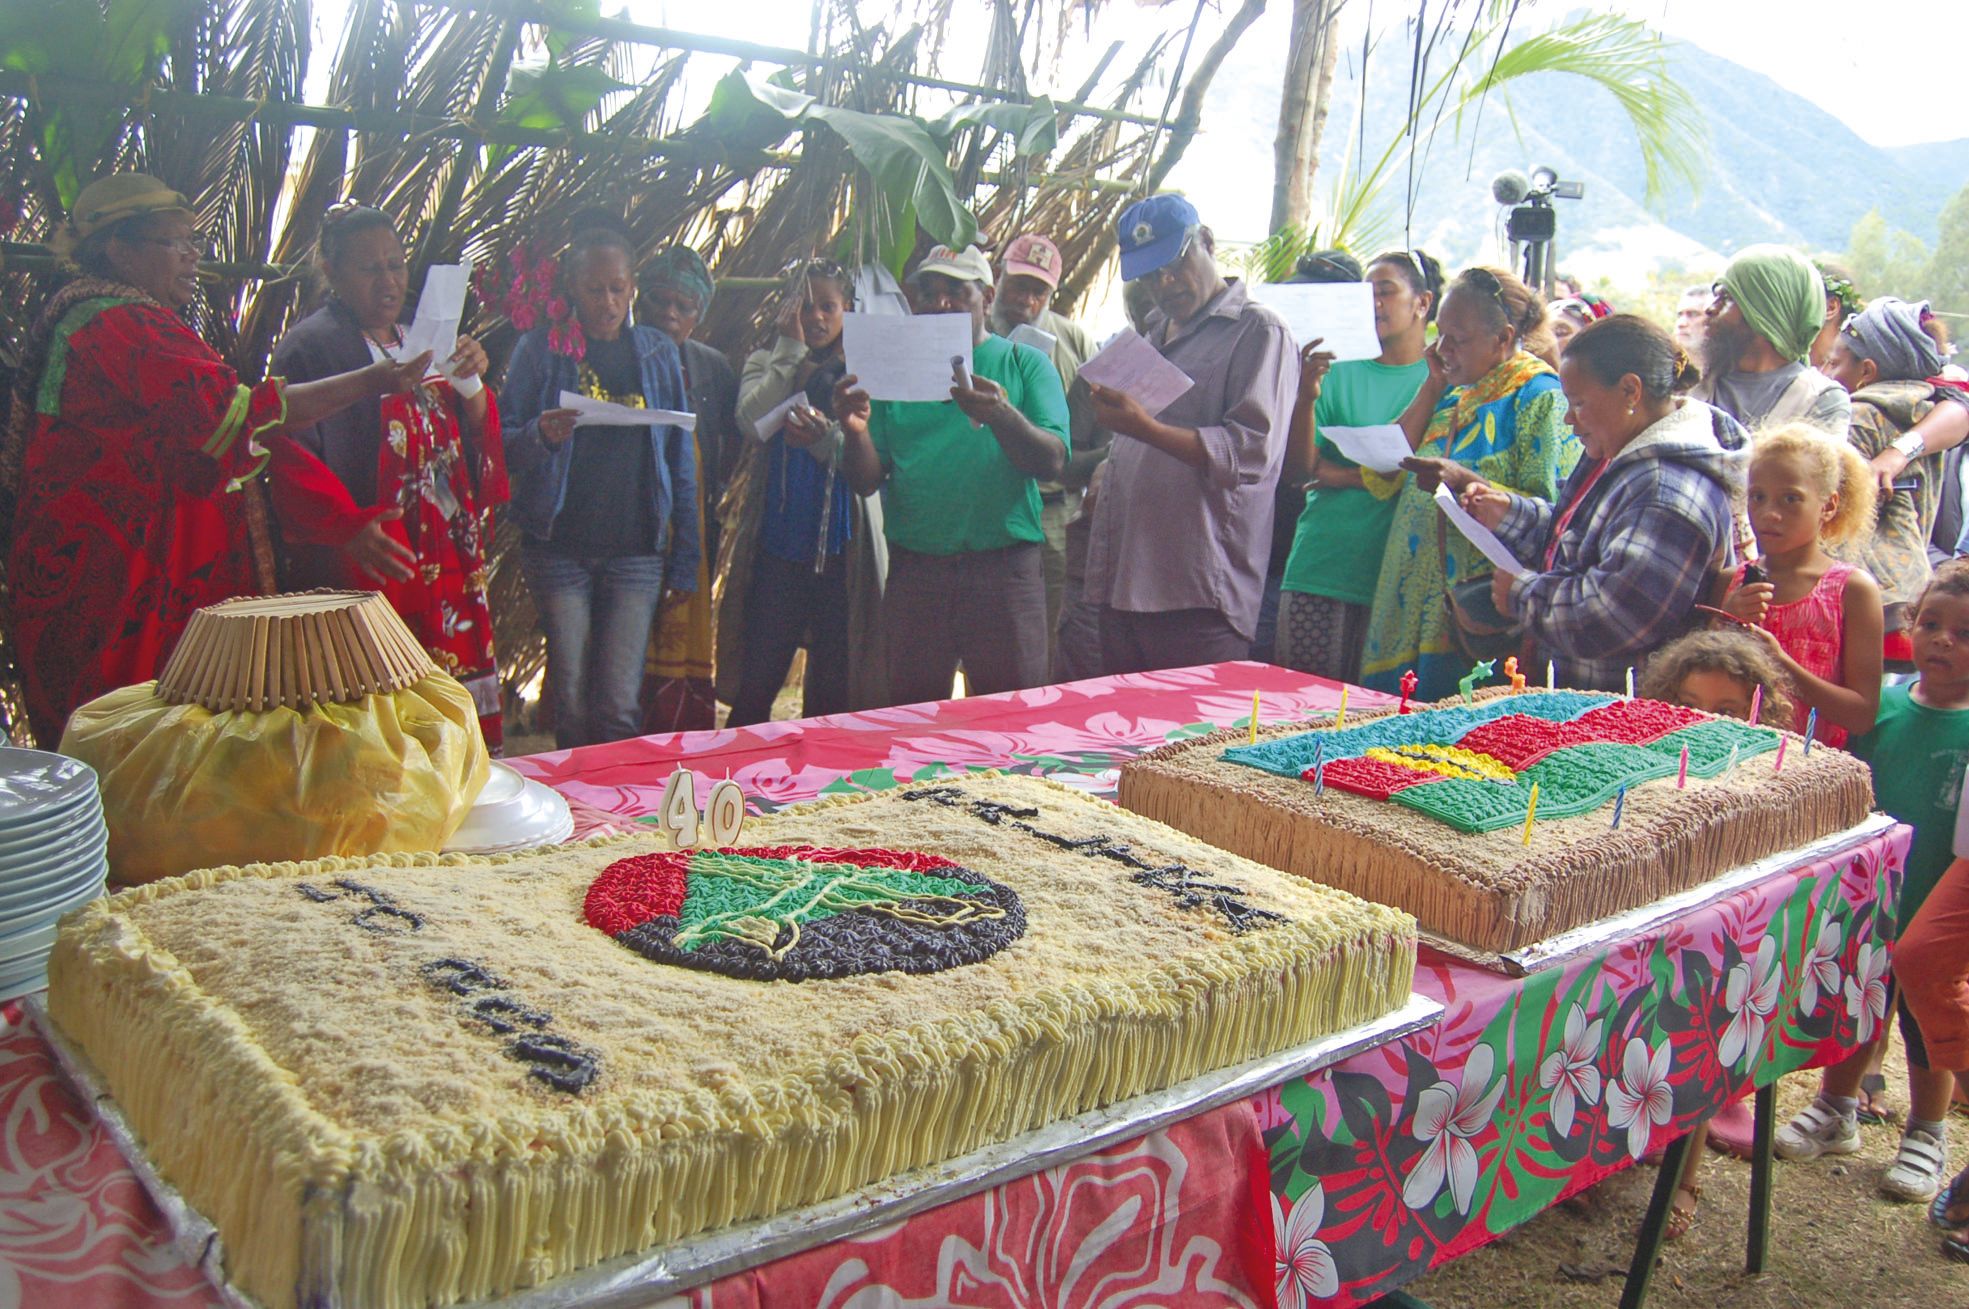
(1681, 1219)
(1945, 1200)
(1873, 1108)
(1956, 1246)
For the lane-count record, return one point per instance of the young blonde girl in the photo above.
(1821, 617)
(1718, 672)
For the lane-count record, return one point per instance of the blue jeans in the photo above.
(597, 615)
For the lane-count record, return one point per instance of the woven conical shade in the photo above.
(266, 651)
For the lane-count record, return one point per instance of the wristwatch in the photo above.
(1910, 447)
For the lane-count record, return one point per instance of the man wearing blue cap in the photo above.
(960, 498)
(1183, 527)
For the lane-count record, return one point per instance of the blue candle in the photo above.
(1619, 803)
(1319, 780)
(1811, 729)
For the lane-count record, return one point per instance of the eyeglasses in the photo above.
(197, 244)
(1174, 267)
(1486, 281)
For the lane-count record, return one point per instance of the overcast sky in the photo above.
(1858, 59)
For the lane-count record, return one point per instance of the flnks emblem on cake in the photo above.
(798, 913)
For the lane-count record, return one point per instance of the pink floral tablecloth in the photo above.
(1329, 1190)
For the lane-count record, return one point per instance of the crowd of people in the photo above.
(1758, 508)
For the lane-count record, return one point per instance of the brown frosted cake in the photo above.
(420, 1080)
(1433, 810)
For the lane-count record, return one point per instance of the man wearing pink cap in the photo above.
(1022, 311)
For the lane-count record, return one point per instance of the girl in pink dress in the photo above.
(1821, 617)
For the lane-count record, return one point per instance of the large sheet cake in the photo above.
(418, 1080)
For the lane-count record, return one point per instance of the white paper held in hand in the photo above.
(590, 412)
(1340, 314)
(905, 358)
(1478, 535)
(1037, 337)
(439, 311)
(1381, 447)
(1131, 365)
(768, 426)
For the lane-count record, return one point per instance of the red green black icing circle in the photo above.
(797, 913)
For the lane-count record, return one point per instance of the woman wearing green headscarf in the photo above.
(678, 692)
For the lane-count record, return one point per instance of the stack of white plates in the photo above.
(53, 858)
(512, 813)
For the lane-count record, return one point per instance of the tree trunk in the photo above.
(1188, 117)
(1309, 65)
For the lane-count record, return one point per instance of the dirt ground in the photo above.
(1835, 1244)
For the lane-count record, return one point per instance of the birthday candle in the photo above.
(1731, 766)
(1550, 683)
(1319, 779)
(1811, 729)
(1254, 718)
(1531, 811)
(1783, 741)
(1682, 775)
(1340, 718)
(1630, 681)
(1619, 803)
(1756, 704)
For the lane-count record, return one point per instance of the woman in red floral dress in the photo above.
(127, 445)
(398, 493)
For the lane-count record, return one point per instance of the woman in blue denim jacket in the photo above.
(609, 513)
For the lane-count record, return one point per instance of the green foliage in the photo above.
(1888, 261)
(1034, 128)
(901, 156)
(123, 43)
(558, 97)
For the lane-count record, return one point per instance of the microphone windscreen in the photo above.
(1510, 187)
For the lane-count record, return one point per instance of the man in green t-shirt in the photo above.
(960, 498)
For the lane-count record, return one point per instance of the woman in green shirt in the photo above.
(1336, 553)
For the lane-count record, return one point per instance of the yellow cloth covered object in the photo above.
(185, 787)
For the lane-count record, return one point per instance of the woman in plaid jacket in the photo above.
(1616, 564)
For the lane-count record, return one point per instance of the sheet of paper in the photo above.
(1477, 534)
(1381, 447)
(877, 292)
(1961, 820)
(601, 413)
(905, 358)
(770, 424)
(1038, 338)
(439, 311)
(1131, 365)
(1341, 314)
